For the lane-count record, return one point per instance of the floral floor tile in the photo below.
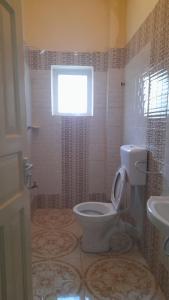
(53, 244)
(55, 279)
(62, 271)
(120, 279)
(53, 218)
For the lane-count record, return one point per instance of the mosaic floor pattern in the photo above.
(62, 271)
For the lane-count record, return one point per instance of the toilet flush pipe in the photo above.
(137, 210)
(139, 203)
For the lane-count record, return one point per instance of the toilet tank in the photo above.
(130, 154)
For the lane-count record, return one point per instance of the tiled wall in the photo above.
(136, 98)
(146, 120)
(75, 158)
(114, 122)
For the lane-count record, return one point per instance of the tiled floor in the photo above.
(62, 271)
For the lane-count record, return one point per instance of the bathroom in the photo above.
(75, 158)
(71, 158)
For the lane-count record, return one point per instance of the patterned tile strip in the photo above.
(74, 160)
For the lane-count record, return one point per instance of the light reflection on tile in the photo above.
(64, 298)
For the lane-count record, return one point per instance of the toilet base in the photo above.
(97, 238)
(95, 248)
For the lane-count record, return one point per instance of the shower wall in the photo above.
(114, 114)
(75, 158)
(146, 121)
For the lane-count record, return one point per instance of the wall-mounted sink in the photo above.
(158, 212)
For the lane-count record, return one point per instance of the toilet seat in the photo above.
(118, 187)
(94, 209)
(101, 209)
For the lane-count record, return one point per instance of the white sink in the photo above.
(158, 212)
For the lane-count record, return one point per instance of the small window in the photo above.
(72, 90)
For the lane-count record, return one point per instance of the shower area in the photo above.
(74, 158)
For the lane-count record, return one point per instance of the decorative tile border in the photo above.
(74, 160)
(56, 201)
(97, 197)
(116, 58)
(39, 60)
(48, 201)
(140, 39)
(101, 61)
(160, 43)
(155, 30)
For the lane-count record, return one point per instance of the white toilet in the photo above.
(98, 219)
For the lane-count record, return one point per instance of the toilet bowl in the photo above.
(98, 219)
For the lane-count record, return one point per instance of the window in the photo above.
(72, 90)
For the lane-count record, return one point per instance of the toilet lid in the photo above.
(118, 187)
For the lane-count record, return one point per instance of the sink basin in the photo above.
(158, 212)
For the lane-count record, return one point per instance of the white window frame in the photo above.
(71, 70)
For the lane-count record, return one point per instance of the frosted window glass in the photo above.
(72, 94)
(72, 90)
